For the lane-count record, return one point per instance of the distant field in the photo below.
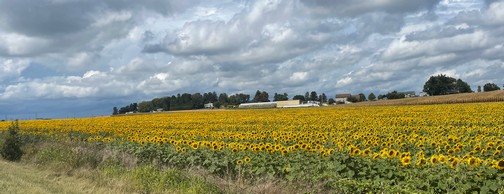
(493, 96)
(443, 148)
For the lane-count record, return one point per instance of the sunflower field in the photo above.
(428, 148)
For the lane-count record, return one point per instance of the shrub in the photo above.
(11, 147)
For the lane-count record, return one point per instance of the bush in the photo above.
(11, 147)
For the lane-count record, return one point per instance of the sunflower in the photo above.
(234, 150)
(239, 162)
(194, 146)
(406, 161)
(247, 159)
(442, 159)
(496, 153)
(366, 152)
(453, 164)
(433, 159)
(421, 162)
(392, 153)
(356, 151)
(499, 164)
(472, 161)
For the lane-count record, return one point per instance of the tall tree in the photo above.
(307, 96)
(331, 101)
(261, 96)
(372, 96)
(223, 99)
(299, 97)
(145, 106)
(463, 87)
(490, 87)
(479, 88)
(362, 97)
(440, 85)
(115, 111)
(280, 97)
(313, 96)
(197, 99)
(324, 98)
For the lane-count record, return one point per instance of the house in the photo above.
(209, 105)
(408, 94)
(342, 98)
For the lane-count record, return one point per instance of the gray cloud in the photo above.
(121, 51)
(349, 8)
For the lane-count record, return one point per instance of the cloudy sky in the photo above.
(66, 58)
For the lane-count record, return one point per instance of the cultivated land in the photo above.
(440, 148)
(493, 96)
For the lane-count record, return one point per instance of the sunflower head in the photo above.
(499, 164)
(406, 161)
(433, 159)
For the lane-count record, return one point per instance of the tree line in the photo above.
(436, 85)
(188, 101)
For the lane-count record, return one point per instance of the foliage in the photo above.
(442, 85)
(11, 146)
(362, 97)
(490, 87)
(394, 95)
(463, 87)
(261, 96)
(299, 97)
(280, 97)
(331, 101)
(371, 97)
(352, 99)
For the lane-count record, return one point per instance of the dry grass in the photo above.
(23, 178)
(493, 96)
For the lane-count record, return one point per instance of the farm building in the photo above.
(283, 104)
(343, 98)
(408, 94)
(258, 105)
(209, 105)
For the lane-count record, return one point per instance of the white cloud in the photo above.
(12, 68)
(130, 50)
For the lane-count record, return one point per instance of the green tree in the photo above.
(280, 97)
(362, 97)
(479, 88)
(299, 97)
(145, 106)
(261, 96)
(331, 101)
(115, 111)
(394, 95)
(197, 99)
(11, 147)
(223, 99)
(313, 96)
(352, 99)
(440, 85)
(323, 98)
(490, 87)
(372, 96)
(463, 87)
